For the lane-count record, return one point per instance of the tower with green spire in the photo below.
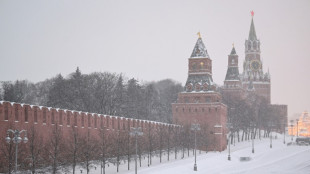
(232, 85)
(253, 73)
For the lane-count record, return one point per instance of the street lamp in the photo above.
(292, 121)
(16, 140)
(136, 132)
(252, 126)
(297, 127)
(271, 125)
(195, 127)
(284, 127)
(229, 126)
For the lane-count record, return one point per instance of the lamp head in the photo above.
(25, 139)
(8, 139)
(17, 140)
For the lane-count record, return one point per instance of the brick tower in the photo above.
(253, 67)
(200, 101)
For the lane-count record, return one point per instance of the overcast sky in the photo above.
(152, 40)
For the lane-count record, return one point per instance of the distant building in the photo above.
(300, 126)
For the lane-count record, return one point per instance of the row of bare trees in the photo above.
(250, 115)
(106, 93)
(63, 150)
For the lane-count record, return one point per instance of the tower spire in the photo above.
(252, 33)
(233, 51)
(199, 49)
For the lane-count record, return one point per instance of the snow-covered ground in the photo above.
(278, 159)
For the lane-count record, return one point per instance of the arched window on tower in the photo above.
(232, 61)
(194, 66)
(201, 65)
(205, 87)
(249, 45)
(254, 45)
(197, 87)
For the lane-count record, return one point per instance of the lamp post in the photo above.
(252, 126)
(297, 127)
(270, 125)
(195, 127)
(292, 121)
(16, 140)
(284, 126)
(271, 140)
(118, 144)
(136, 132)
(229, 126)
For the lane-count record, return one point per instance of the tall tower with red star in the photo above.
(253, 77)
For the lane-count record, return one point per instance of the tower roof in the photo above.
(252, 33)
(233, 51)
(232, 74)
(199, 50)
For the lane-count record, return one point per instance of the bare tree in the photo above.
(35, 144)
(89, 150)
(54, 147)
(74, 147)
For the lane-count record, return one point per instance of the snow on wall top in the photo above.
(86, 113)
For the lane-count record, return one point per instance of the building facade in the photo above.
(300, 127)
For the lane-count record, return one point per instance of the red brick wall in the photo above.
(211, 115)
(22, 116)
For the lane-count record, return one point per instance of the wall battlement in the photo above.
(23, 114)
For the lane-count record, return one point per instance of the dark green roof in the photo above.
(232, 73)
(252, 34)
(199, 49)
(233, 51)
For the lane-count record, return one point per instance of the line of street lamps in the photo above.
(135, 132)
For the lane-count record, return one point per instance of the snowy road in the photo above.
(280, 159)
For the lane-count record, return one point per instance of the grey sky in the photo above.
(152, 40)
